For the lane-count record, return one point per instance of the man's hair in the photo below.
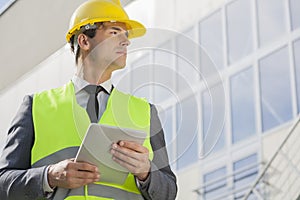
(90, 33)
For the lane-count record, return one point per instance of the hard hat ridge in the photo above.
(94, 11)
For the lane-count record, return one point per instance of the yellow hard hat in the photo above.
(94, 11)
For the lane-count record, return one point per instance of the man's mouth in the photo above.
(122, 52)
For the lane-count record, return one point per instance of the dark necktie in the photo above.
(92, 107)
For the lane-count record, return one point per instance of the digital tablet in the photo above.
(96, 145)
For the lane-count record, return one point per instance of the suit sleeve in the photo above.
(17, 179)
(161, 183)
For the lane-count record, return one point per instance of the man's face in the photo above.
(110, 45)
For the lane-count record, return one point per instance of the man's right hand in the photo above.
(70, 174)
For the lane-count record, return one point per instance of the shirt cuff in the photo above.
(46, 186)
(143, 183)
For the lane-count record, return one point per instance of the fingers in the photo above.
(82, 166)
(84, 175)
(133, 157)
(130, 152)
(134, 169)
(133, 146)
(70, 174)
(137, 167)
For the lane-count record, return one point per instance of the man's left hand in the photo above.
(133, 157)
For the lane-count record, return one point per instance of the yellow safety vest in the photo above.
(60, 125)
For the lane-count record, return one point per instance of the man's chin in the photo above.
(118, 66)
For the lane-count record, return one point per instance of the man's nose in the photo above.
(124, 39)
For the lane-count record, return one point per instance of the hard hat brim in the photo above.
(135, 29)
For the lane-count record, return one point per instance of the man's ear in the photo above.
(83, 41)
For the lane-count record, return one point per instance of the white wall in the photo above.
(30, 32)
(53, 72)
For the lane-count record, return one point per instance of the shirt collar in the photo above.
(80, 83)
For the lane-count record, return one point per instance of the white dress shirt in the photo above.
(82, 96)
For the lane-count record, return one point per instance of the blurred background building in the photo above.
(224, 74)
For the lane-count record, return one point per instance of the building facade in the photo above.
(225, 76)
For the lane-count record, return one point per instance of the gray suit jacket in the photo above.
(19, 181)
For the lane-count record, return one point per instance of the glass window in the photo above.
(275, 89)
(211, 38)
(297, 70)
(215, 183)
(140, 73)
(164, 73)
(242, 105)
(239, 30)
(295, 13)
(245, 172)
(213, 106)
(4, 4)
(271, 19)
(187, 132)
(187, 69)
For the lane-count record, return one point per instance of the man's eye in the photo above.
(114, 32)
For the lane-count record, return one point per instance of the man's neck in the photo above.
(93, 75)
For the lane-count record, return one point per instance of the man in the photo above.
(38, 158)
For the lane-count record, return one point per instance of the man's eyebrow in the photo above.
(116, 28)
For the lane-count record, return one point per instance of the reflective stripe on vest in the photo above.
(106, 192)
(60, 124)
